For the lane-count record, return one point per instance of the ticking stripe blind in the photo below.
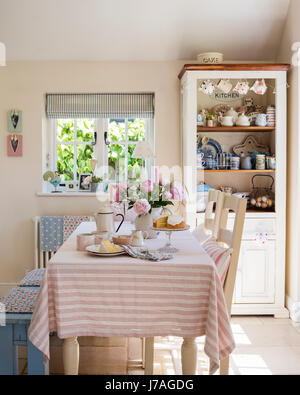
(100, 105)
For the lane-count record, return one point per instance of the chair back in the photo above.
(232, 238)
(213, 211)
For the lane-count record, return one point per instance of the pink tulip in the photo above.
(147, 186)
(168, 195)
(177, 191)
(142, 207)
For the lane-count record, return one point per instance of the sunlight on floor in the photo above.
(264, 346)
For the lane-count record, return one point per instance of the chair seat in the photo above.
(33, 278)
(20, 300)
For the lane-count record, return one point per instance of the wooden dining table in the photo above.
(85, 295)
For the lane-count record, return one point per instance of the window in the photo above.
(75, 146)
(76, 141)
(123, 135)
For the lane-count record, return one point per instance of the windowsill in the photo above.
(73, 194)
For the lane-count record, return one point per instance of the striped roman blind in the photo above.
(100, 105)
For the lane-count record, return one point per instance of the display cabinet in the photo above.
(207, 151)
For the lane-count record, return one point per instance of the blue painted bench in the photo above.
(12, 335)
(19, 303)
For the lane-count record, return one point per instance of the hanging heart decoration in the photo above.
(14, 119)
(14, 143)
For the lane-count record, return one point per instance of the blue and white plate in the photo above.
(212, 148)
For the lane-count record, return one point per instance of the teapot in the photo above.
(232, 113)
(225, 120)
(243, 120)
(105, 220)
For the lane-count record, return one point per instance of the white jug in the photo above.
(225, 120)
(105, 220)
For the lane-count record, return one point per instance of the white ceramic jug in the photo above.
(105, 220)
(243, 120)
(226, 120)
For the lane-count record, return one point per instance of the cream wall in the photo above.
(292, 34)
(23, 86)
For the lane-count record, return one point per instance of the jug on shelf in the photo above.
(226, 120)
(105, 220)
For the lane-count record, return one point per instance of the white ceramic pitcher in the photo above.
(105, 220)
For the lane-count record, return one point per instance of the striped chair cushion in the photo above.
(20, 300)
(33, 278)
(221, 256)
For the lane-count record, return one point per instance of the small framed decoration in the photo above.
(15, 145)
(84, 185)
(71, 186)
(14, 121)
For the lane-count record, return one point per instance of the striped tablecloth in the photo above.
(83, 295)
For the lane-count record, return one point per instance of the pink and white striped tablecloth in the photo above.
(83, 295)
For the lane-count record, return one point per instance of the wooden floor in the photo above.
(265, 346)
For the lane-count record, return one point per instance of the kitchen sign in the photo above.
(227, 97)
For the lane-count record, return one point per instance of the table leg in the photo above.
(71, 356)
(189, 356)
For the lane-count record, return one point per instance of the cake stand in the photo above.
(168, 247)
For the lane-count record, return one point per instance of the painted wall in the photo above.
(23, 86)
(291, 35)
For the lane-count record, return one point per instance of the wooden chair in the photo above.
(230, 238)
(210, 226)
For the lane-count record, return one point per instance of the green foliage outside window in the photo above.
(85, 152)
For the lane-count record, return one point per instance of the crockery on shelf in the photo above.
(226, 120)
(260, 162)
(232, 113)
(271, 116)
(246, 162)
(271, 162)
(242, 120)
(234, 163)
(261, 120)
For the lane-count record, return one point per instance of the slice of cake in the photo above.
(160, 222)
(107, 247)
(175, 222)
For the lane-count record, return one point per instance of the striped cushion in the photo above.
(221, 256)
(20, 300)
(33, 278)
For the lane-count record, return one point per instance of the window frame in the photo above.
(74, 143)
(101, 150)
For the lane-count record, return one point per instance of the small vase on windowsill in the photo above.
(94, 186)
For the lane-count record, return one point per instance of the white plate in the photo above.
(171, 230)
(94, 249)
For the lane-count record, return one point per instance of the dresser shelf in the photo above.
(236, 129)
(238, 171)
